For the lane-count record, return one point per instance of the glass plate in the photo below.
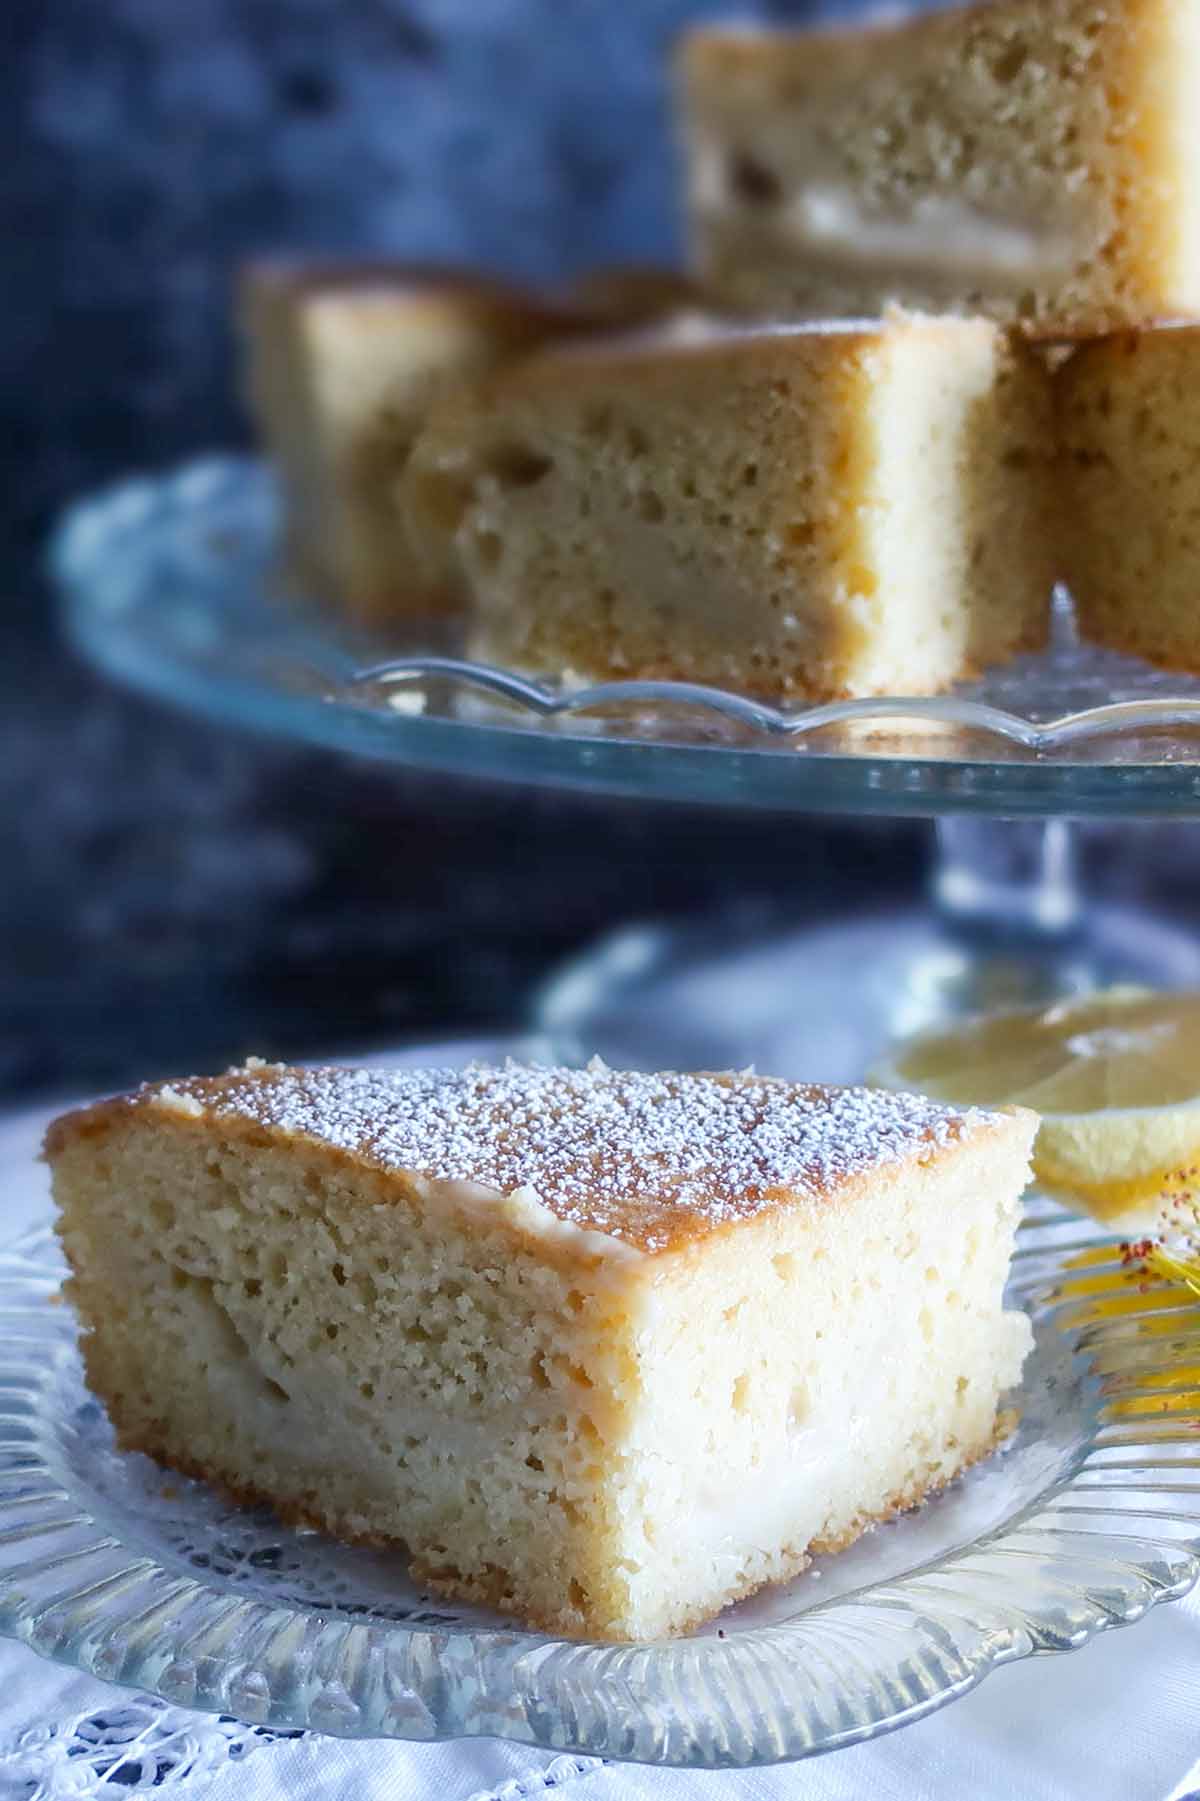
(1088, 1518)
(169, 583)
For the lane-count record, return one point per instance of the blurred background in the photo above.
(175, 895)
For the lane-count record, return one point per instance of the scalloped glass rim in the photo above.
(1090, 1518)
(168, 584)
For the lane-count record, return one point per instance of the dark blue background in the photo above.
(171, 895)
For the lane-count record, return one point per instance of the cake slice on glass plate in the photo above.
(604, 1350)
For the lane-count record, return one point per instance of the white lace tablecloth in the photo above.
(1116, 1721)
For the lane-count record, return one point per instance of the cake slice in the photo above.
(1129, 423)
(342, 362)
(814, 512)
(1031, 159)
(603, 1350)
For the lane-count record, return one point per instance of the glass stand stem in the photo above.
(1007, 928)
(1008, 879)
(1008, 924)
(1017, 929)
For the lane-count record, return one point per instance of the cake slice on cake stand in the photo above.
(167, 583)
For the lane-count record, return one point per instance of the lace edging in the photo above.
(129, 1748)
(556, 1775)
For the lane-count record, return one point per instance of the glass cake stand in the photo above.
(169, 583)
(1093, 1514)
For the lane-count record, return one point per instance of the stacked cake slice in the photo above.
(1034, 160)
(345, 361)
(1031, 159)
(824, 511)
(879, 504)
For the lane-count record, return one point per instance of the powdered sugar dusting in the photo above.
(642, 1158)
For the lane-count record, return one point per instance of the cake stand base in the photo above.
(821, 1004)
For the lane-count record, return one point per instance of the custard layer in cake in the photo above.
(820, 512)
(342, 362)
(605, 1350)
(1031, 159)
(1129, 423)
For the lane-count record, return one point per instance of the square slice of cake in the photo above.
(604, 1350)
(1129, 426)
(342, 362)
(1032, 159)
(811, 511)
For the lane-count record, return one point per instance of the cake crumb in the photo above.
(176, 1100)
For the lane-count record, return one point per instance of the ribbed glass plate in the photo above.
(171, 583)
(1088, 1518)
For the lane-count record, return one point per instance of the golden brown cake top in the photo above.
(651, 1160)
(695, 342)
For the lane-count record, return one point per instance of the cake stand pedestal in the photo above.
(169, 583)
(1007, 925)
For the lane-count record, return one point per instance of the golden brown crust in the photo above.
(98, 1118)
(654, 1162)
(1093, 325)
(638, 355)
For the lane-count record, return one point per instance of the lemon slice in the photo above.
(1116, 1079)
